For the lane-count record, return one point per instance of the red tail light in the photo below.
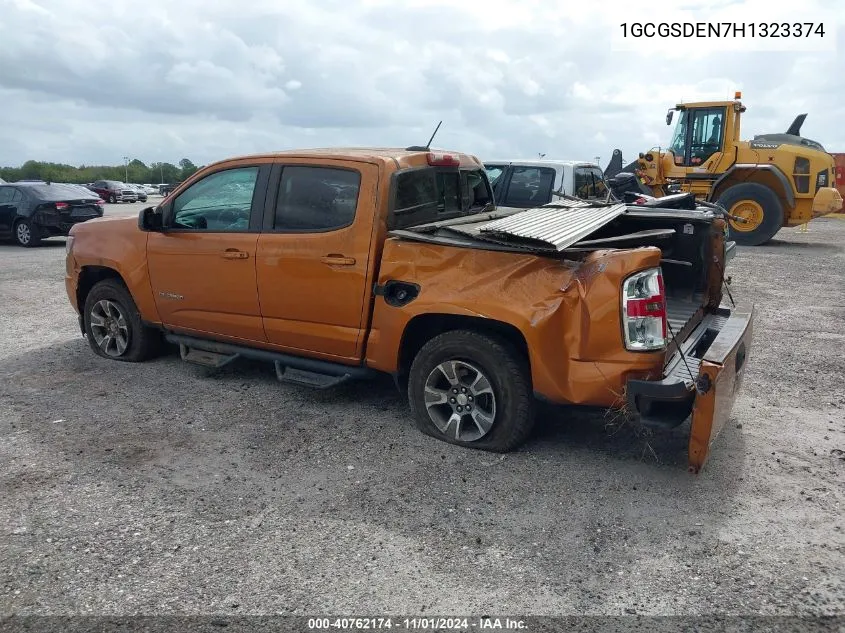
(644, 311)
(101, 202)
(442, 160)
(640, 201)
(61, 206)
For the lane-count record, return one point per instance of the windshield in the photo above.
(494, 172)
(589, 183)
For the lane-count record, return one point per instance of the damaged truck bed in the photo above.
(706, 343)
(336, 264)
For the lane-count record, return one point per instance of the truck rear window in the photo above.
(431, 194)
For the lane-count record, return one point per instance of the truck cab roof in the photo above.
(397, 157)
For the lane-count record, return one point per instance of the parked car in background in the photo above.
(166, 189)
(31, 211)
(531, 183)
(140, 192)
(114, 191)
(149, 189)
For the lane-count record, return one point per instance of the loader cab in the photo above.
(699, 134)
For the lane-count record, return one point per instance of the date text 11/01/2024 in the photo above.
(723, 29)
(417, 624)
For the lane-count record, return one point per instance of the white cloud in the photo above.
(92, 82)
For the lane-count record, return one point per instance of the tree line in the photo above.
(134, 171)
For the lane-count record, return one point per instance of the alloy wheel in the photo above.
(109, 327)
(460, 401)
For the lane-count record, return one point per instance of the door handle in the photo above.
(338, 260)
(233, 253)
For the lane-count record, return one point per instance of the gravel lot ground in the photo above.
(168, 488)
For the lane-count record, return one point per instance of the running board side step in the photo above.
(305, 372)
(303, 378)
(204, 357)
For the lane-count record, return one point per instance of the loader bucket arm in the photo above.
(615, 165)
(795, 128)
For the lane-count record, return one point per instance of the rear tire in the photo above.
(113, 325)
(758, 203)
(472, 390)
(26, 233)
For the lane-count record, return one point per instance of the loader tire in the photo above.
(760, 209)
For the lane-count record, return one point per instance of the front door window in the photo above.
(219, 203)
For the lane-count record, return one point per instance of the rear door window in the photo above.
(316, 199)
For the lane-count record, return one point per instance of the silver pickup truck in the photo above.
(524, 184)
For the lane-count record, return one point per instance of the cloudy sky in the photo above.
(93, 81)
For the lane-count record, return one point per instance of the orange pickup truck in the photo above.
(337, 264)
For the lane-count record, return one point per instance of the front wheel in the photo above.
(757, 211)
(113, 199)
(472, 390)
(113, 324)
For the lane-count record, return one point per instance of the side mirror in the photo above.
(669, 116)
(150, 219)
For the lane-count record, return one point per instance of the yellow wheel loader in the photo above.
(772, 181)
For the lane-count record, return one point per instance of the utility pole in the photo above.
(598, 160)
(126, 168)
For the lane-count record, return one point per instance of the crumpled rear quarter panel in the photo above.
(568, 312)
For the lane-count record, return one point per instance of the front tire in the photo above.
(760, 209)
(472, 390)
(26, 233)
(113, 198)
(113, 325)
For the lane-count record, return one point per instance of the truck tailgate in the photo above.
(702, 381)
(719, 379)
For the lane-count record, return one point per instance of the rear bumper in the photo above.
(704, 382)
(60, 223)
(827, 200)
